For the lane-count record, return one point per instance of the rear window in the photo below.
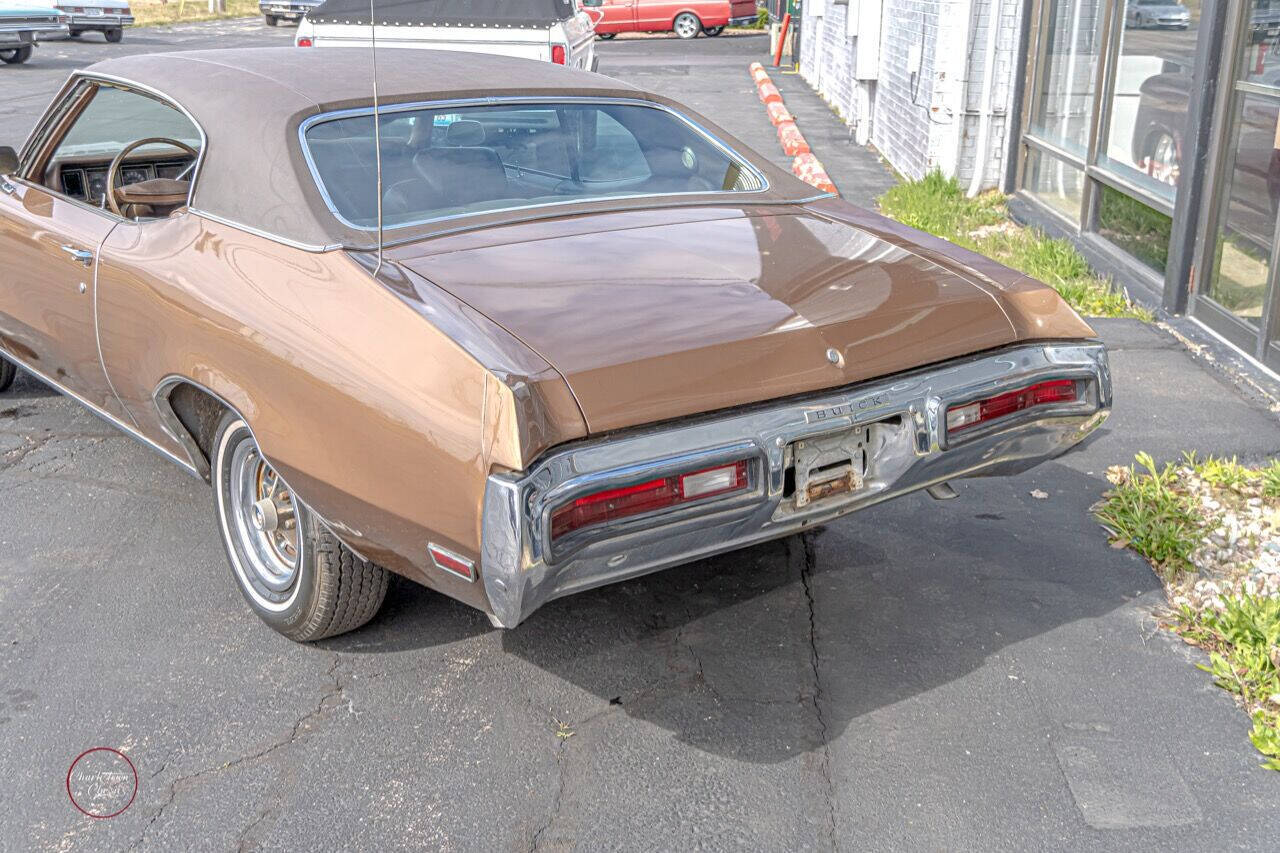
(450, 161)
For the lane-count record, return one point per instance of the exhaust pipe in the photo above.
(942, 492)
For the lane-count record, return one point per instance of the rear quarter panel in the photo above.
(374, 417)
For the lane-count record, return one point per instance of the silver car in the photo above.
(1145, 14)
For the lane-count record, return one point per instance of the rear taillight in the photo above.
(615, 504)
(559, 54)
(305, 42)
(992, 408)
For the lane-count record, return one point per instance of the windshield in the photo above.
(450, 161)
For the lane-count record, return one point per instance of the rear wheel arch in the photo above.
(191, 413)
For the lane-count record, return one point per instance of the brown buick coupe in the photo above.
(582, 334)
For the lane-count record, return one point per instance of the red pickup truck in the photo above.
(686, 18)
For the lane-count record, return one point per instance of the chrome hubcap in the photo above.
(265, 516)
(685, 27)
(1164, 160)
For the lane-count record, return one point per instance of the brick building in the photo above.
(918, 79)
(1146, 131)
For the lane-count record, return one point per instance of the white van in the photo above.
(551, 30)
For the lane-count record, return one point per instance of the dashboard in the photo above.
(88, 181)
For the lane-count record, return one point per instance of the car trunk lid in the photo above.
(652, 315)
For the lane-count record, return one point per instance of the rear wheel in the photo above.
(712, 31)
(271, 20)
(7, 373)
(295, 574)
(687, 25)
(113, 35)
(17, 55)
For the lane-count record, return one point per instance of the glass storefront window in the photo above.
(1248, 206)
(1260, 48)
(1147, 114)
(1061, 108)
(1135, 228)
(1055, 183)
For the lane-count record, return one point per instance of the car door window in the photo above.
(114, 119)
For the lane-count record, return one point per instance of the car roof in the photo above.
(252, 102)
(342, 76)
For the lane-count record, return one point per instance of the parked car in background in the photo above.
(1254, 203)
(22, 25)
(1144, 14)
(108, 17)
(686, 18)
(742, 13)
(554, 31)
(275, 11)
(583, 335)
(1265, 22)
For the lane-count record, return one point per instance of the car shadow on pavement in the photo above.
(882, 606)
(735, 654)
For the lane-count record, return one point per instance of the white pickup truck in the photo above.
(550, 30)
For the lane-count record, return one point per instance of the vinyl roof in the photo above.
(250, 103)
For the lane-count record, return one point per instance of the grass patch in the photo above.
(1148, 513)
(1136, 228)
(1211, 529)
(154, 13)
(1243, 641)
(937, 205)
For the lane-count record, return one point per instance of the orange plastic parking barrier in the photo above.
(769, 93)
(778, 113)
(809, 169)
(793, 141)
(758, 74)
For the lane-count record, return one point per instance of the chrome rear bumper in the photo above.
(911, 451)
(100, 22)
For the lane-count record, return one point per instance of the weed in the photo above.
(1146, 513)
(937, 205)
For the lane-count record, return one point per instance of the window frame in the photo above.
(62, 115)
(311, 121)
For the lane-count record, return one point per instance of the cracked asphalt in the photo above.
(980, 673)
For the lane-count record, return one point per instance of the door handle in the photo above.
(84, 256)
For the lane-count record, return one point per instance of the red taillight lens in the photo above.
(559, 54)
(304, 42)
(981, 411)
(624, 502)
(448, 561)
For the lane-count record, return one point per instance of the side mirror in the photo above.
(8, 160)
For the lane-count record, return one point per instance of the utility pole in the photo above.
(217, 6)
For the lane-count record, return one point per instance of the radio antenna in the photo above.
(377, 127)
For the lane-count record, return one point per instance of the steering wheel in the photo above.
(114, 171)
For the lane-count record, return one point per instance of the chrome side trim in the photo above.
(907, 451)
(97, 333)
(105, 415)
(258, 232)
(322, 118)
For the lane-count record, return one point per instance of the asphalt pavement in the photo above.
(982, 673)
